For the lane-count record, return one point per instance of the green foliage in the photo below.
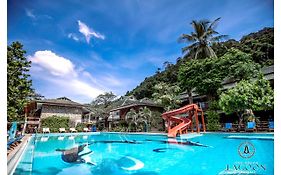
(205, 76)
(55, 122)
(201, 39)
(19, 84)
(260, 45)
(104, 99)
(131, 118)
(81, 126)
(257, 95)
(221, 48)
(143, 120)
(260, 52)
(101, 105)
(145, 89)
(166, 95)
(214, 105)
(238, 65)
(213, 121)
(119, 128)
(156, 119)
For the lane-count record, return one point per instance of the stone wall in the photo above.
(72, 112)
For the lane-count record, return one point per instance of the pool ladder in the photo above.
(121, 137)
(34, 146)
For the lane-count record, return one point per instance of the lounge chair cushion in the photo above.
(271, 125)
(228, 125)
(251, 125)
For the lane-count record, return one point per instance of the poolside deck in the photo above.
(13, 156)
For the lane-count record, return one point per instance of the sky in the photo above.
(80, 49)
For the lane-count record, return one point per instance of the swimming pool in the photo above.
(147, 154)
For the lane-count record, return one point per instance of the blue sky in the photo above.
(81, 49)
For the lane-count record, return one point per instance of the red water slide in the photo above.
(180, 125)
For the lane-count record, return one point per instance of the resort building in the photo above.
(120, 112)
(127, 104)
(64, 107)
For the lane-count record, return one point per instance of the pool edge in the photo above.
(15, 159)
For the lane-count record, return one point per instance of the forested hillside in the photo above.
(259, 45)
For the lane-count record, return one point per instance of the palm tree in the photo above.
(201, 39)
(145, 117)
(131, 118)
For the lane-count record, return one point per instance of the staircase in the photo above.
(32, 122)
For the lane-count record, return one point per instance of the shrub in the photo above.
(213, 121)
(81, 126)
(55, 122)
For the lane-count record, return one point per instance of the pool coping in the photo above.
(149, 133)
(96, 133)
(14, 158)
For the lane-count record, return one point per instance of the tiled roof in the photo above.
(130, 102)
(63, 101)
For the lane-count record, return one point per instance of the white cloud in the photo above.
(59, 76)
(73, 36)
(63, 78)
(56, 65)
(88, 32)
(84, 88)
(30, 14)
(113, 81)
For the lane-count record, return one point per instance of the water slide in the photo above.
(190, 111)
(183, 124)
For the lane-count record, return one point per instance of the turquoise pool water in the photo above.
(141, 154)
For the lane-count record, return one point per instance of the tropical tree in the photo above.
(260, 45)
(201, 39)
(145, 117)
(18, 81)
(238, 65)
(101, 105)
(205, 76)
(104, 99)
(131, 118)
(247, 95)
(166, 95)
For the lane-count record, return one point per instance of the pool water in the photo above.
(142, 154)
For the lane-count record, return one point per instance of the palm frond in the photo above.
(218, 38)
(210, 52)
(214, 24)
(198, 28)
(186, 38)
(198, 51)
(190, 47)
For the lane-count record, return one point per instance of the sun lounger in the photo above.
(251, 126)
(271, 126)
(60, 138)
(262, 126)
(94, 129)
(85, 129)
(61, 130)
(44, 139)
(71, 137)
(227, 127)
(46, 130)
(14, 142)
(72, 130)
